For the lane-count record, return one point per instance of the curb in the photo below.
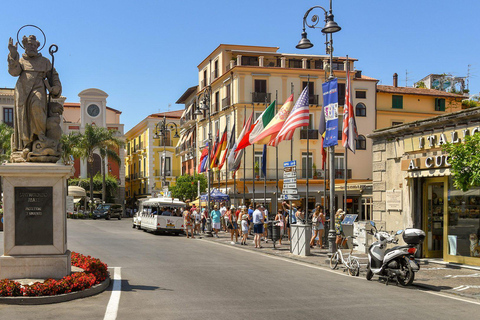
(23, 300)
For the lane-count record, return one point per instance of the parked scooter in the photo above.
(397, 263)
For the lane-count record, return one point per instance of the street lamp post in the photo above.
(161, 129)
(330, 27)
(205, 106)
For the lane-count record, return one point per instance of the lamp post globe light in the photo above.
(161, 129)
(330, 27)
(205, 106)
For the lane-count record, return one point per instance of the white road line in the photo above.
(336, 272)
(112, 307)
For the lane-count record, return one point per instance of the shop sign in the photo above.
(436, 140)
(433, 162)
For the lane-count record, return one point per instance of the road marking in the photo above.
(112, 307)
(336, 272)
(474, 275)
(465, 287)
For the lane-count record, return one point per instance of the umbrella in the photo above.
(215, 196)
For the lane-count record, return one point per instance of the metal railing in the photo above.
(225, 102)
(215, 74)
(261, 97)
(228, 66)
(215, 106)
(313, 99)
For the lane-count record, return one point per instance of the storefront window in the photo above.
(463, 222)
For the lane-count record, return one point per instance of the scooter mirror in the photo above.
(399, 231)
(372, 223)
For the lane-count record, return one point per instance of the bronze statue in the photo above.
(37, 130)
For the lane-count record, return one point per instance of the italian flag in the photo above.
(259, 125)
(273, 128)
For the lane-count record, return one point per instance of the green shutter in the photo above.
(439, 104)
(397, 102)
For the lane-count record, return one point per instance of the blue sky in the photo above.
(144, 54)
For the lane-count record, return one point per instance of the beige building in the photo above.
(244, 79)
(412, 185)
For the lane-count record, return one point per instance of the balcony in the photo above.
(203, 83)
(215, 106)
(314, 174)
(340, 173)
(313, 99)
(215, 74)
(225, 102)
(233, 65)
(310, 133)
(261, 97)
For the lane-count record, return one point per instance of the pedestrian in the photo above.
(280, 221)
(215, 215)
(317, 225)
(203, 218)
(258, 225)
(339, 215)
(196, 220)
(187, 221)
(238, 216)
(223, 210)
(245, 225)
(232, 224)
(250, 217)
(265, 224)
(300, 215)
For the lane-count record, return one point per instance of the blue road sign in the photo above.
(290, 163)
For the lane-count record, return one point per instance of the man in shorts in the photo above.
(215, 216)
(258, 220)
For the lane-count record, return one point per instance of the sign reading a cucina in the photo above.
(433, 162)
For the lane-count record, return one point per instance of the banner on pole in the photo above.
(330, 103)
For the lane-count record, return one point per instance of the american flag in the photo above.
(299, 117)
(349, 132)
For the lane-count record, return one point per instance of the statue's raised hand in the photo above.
(12, 48)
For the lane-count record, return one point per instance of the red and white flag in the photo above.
(349, 132)
(298, 117)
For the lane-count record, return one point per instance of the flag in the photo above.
(214, 151)
(270, 132)
(299, 117)
(330, 104)
(235, 157)
(264, 160)
(231, 143)
(349, 131)
(221, 146)
(258, 127)
(203, 160)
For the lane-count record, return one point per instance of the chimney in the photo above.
(395, 80)
(358, 74)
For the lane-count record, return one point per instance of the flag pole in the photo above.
(253, 158)
(346, 148)
(276, 161)
(308, 153)
(235, 124)
(265, 179)
(244, 157)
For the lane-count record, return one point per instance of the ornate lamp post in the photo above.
(205, 106)
(330, 27)
(161, 129)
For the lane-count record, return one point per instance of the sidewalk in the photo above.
(434, 274)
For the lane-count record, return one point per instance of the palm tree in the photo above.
(5, 137)
(70, 144)
(109, 151)
(96, 138)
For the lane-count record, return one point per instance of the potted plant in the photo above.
(314, 168)
(257, 170)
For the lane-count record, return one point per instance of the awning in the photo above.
(77, 200)
(190, 135)
(184, 113)
(429, 173)
(181, 140)
(76, 191)
(189, 108)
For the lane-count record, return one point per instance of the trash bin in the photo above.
(208, 225)
(276, 233)
(269, 230)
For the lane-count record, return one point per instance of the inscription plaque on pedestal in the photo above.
(33, 216)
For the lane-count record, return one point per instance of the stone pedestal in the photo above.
(35, 222)
(300, 242)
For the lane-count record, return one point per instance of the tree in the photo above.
(111, 185)
(70, 146)
(465, 161)
(94, 139)
(186, 188)
(5, 138)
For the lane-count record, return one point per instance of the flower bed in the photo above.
(95, 272)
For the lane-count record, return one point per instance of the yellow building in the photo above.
(244, 79)
(144, 173)
(397, 105)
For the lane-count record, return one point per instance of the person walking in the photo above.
(231, 224)
(258, 225)
(250, 218)
(245, 226)
(339, 215)
(223, 211)
(317, 225)
(203, 217)
(215, 215)
(265, 223)
(187, 221)
(280, 221)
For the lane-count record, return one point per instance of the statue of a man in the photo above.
(31, 106)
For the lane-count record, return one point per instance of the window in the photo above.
(341, 94)
(361, 94)
(307, 167)
(261, 86)
(396, 123)
(257, 115)
(227, 121)
(144, 167)
(340, 127)
(439, 104)
(8, 116)
(397, 102)
(338, 66)
(249, 61)
(204, 82)
(318, 64)
(295, 63)
(258, 160)
(360, 110)
(361, 143)
(216, 105)
(217, 126)
(215, 70)
(339, 161)
(312, 98)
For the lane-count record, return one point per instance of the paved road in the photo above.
(168, 277)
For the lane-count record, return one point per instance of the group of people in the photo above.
(243, 221)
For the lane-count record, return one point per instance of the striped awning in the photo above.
(181, 140)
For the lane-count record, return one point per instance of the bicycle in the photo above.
(351, 262)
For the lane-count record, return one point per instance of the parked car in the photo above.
(108, 211)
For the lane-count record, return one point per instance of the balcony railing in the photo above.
(215, 74)
(313, 99)
(340, 173)
(228, 66)
(203, 83)
(214, 107)
(261, 97)
(225, 102)
(312, 134)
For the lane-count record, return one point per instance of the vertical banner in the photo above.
(330, 107)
